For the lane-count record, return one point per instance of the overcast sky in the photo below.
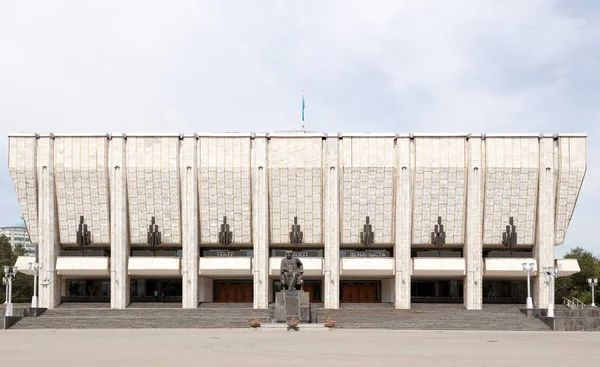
(377, 66)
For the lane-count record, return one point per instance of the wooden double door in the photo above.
(310, 288)
(359, 293)
(233, 292)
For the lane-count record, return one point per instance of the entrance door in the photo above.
(233, 292)
(359, 293)
(310, 288)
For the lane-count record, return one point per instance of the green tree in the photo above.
(576, 285)
(6, 253)
(18, 250)
(6, 257)
(23, 284)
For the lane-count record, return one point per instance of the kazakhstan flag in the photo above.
(303, 105)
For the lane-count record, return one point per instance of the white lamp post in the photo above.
(5, 284)
(10, 272)
(593, 283)
(528, 268)
(551, 272)
(35, 267)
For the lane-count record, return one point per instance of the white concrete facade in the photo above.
(330, 183)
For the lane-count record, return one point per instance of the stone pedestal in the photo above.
(290, 304)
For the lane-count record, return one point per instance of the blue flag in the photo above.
(303, 105)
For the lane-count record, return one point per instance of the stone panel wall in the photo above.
(572, 168)
(153, 187)
(439, 188)
(368, 188)
(22, 167)
(225, 188)
(511, 188)
(82, 187)
(296, 187)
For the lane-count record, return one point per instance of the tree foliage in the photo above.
(23, 284)
(576, 285)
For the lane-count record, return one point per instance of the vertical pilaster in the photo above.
(189, 211)
(49, 247)
(119, 239)
(331, 172)
(403, 217)
(472, 284)
(260, 221)
(545, 231)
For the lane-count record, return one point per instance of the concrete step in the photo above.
(102, 318)
(433, 317)
(381, 316)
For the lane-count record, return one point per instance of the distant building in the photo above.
(17, 234)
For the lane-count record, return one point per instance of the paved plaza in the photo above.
(155, 347)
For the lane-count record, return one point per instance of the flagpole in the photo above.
(303, 106)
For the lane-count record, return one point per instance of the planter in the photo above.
(329, 323)
(293, 324)
(255, 323)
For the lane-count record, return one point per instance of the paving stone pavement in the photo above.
(223, 347)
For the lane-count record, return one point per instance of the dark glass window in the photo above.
(506, 253)
(88, 288)
(153, 290)
(86, 252)
(450, 252)
(158, 252)
(421, 290)
(504, 291)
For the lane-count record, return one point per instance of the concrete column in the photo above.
(545, 231)
(119, 243)
(49, 247)
(205, 290)
(260, 221)
(387, 290)
(472, 283)
(331, 211)
(403, 225)
(189, 219)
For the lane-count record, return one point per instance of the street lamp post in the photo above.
(593, 283)
(35, 267)
(551, 272)
(528, 268)
(5, 284)
(10, 272)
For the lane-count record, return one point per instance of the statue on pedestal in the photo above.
(291, 272)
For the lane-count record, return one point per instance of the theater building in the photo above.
(396, 218)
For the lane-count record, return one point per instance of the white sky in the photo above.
(378, 66)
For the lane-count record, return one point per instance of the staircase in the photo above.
(143, 318)
(431, 317)
(236, 315)
(573, 303)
